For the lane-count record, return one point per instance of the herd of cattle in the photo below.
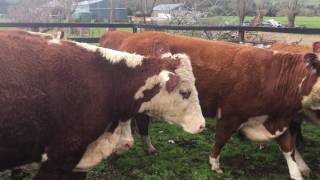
(67, 105)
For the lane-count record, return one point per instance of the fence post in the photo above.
(134, 28)
(241, 35)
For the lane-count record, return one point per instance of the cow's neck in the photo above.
(128, 81)
(288, 79)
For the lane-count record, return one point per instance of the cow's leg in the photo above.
(223, 133)
(63, 154)
(285, 142)
(303, 167)
(295, 129)
(51, 171)
(142, 122)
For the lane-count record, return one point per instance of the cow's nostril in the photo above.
(128, 145)
(202, 127)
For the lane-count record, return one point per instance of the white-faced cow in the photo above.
(58, 98)
(253, 90)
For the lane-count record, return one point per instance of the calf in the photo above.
(58, 98)
(296, 124)
(254, 90)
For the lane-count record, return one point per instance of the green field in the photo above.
(187, 158)
(301, 21)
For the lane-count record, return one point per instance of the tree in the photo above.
(69, 7)
(241, 10)
(41, 10)
(290, 8)
(261, 9)
(29, 11)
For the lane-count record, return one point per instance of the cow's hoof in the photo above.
(151, 151)
(219, 171)
(306, 172)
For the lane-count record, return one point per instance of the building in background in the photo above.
(3, 7)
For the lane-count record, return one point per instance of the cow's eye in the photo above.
(185, 94)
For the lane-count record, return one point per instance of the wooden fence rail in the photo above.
(240, 29)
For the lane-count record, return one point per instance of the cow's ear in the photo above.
(312, 62)
(160, 48)
(316, 47)
(172, 83)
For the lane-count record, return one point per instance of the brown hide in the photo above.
(113, 39)
(58, 98)
(243, 80)
(290, 48)
(237, 82)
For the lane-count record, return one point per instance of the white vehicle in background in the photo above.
(272, 23)
(162, 17)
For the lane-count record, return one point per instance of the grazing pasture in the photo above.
(187, 157)
(301, 21)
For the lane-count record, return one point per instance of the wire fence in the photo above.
(136, 27)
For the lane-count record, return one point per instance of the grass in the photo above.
(301, 21)
(187, 158)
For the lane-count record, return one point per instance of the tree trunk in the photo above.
(111, 17)
(291, 20)
(293, 9)
(241, 10)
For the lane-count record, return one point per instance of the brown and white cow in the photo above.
(58, 98)
(311, 117)
(113, 39)
(254, 90)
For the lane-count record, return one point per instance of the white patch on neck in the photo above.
(293, 167)
(104, 146)
(275, 52)
(256, 131)
(132, 60)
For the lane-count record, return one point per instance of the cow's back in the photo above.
(225, 72)
(215, 64)
(290, 48)
(113, 39)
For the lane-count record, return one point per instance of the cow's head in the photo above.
(311, 102)
(177, 100)
(316, 48)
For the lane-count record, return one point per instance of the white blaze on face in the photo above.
(105, 145)
(131, 60)
(256, 131)
(175, 109)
